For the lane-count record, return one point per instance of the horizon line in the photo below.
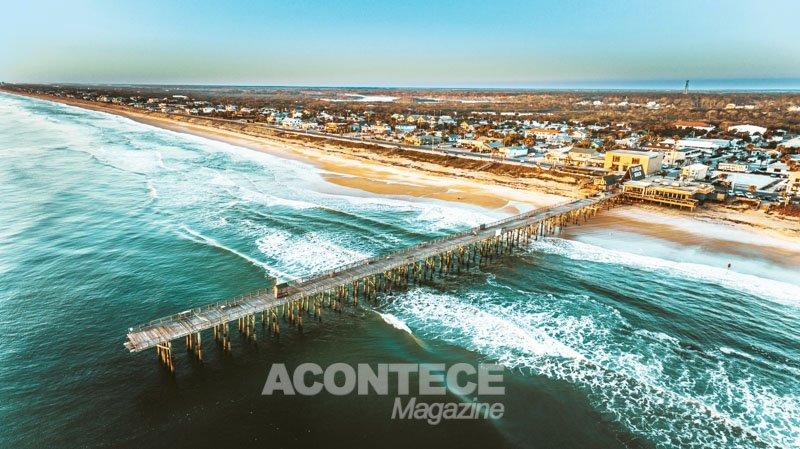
(779, 84)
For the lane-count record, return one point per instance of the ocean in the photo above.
(609, 338)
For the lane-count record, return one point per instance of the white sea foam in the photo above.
(491, 332)
(625, 379)
(438, 217)
(308, 253)
(271, 200)
(151, 190)
(395, 322)
(198, 237)
(160, 160)
(777, 291)
(730, 351)
(424, 216)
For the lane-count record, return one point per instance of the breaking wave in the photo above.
(395, 322)
(198, 237)
(632, 383)
(777, 291)
(307, 253)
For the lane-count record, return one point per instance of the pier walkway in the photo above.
(363, 279)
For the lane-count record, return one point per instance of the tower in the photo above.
(686, 88)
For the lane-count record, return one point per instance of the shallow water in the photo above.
(619, 340)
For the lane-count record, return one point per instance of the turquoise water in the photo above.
(106, 223)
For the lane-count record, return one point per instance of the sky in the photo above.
(467, 43)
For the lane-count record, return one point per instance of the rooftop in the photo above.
(665, 184)
(650, 154)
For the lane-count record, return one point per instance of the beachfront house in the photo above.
(622, 160)
(513, 151)
(336, 127)
(290, 122)
(581, 156)
(695, 172)
(405, 128)
(423, 140)
(380, 128)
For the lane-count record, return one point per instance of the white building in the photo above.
(380, 128)
(582, 154)
(748, 129)
(778, 168)
(707, 146)
(551, 136)
(735, 168)
(695, 172)
(518, 151)
(791, 143)
(291, 122)
(680, 156)
(405, 127)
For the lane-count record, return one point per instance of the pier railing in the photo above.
(230, 302)
(409, 249)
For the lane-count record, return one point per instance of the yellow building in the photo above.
(412, 140)
(336, 127)
(622, 160)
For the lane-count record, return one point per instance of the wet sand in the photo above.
(689, 231)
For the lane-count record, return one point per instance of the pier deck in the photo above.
(407, 261)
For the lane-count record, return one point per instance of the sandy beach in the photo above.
(360, 169)
(384, 175)
(702, 231)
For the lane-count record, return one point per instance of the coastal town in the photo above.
(361, 224)
(683, 163)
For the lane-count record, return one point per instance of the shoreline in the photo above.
(357, 169)
(712, 236)
(384, 175)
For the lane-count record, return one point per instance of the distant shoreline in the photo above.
(361, 169)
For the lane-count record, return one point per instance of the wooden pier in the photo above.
(306, 298)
